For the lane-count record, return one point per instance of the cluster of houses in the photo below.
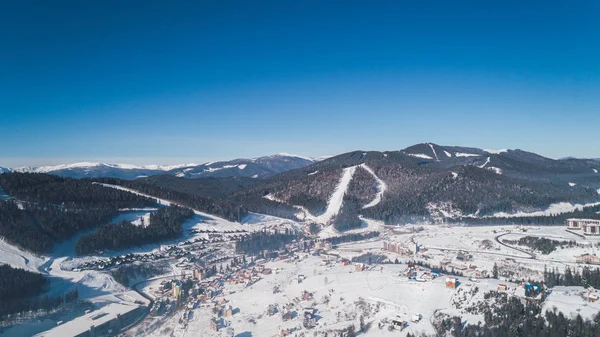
(412, 272)
(171, 252)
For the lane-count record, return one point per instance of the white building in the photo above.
(589, 226)
(107, 321)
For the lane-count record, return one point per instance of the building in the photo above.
(176, 289)
(591, 228)
(360, 267)
(502, 287)
(199, 274)
(287, 316)
(451, 282)
(107, 321)
(395, 247)
(587, 258)
(399, 325)
(228, 311)
(322, 244)
(588, 225)
(214, 324)
(464, 256)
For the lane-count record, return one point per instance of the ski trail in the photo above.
(434, 153)
(380, 188)
(335, 202)
(486, 162)
(448, 153)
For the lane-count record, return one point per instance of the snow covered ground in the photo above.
(558, 208)
(340, 296)
(420, 155)
(12, 255)
(569, 300)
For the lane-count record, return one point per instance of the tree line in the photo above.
(587, 277)
(51, 209)
(19, 290)
(164, 224)
(348, 217)
(544, 245)
(258, 242)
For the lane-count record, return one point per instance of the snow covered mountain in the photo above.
(256, 168)
(428, 181)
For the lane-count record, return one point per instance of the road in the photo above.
(497, 238)
(146, 296)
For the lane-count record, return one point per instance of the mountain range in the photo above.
(255, 168)
(423, 182)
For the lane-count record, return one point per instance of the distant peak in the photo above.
(495, 151)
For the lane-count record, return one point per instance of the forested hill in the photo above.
(49, 189)
(424, 182)
(47, 209)
(166, 223)
(221, 206)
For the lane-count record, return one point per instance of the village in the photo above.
(391, 284)
(400, 281)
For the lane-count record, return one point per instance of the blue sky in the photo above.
(170, 82)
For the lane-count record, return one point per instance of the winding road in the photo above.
(531, 255)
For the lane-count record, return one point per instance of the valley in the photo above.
(363, 242)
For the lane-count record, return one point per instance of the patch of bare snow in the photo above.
(495, 169)
(315, 172)
(18, 258)
(495, 151)
(461, 154)
(242, 166)
(595, 171)
(381, 187)
(273, 198)
(448, 153)
(443, 210)
(143, 221)
(572, 184)
(419, 155)
(259, 222)
(454, 175)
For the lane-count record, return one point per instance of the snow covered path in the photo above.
(337, 198)
(380, 188)
(434, 153)
(487, 161)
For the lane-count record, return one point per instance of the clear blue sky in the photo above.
(168, 82)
